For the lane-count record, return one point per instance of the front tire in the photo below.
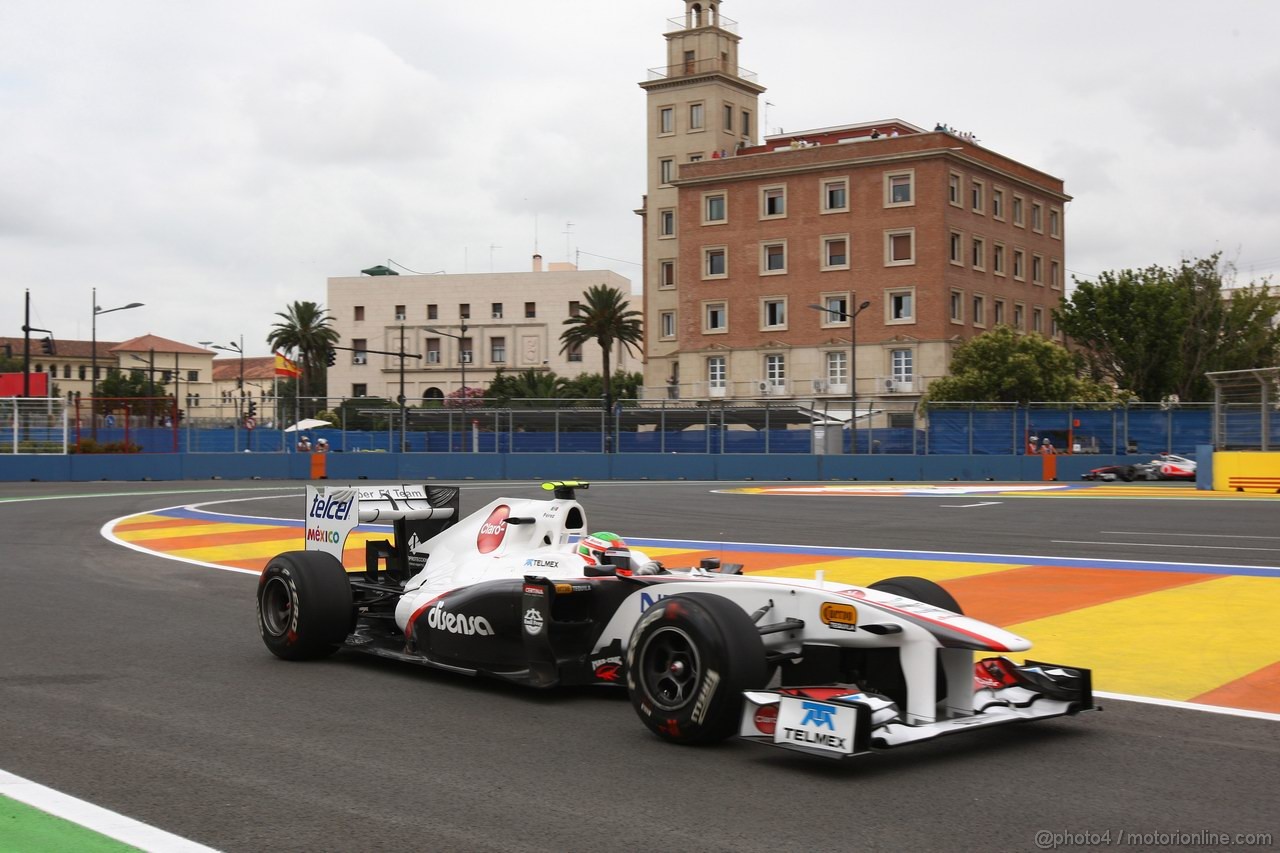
(305, 607)
(688, 661)
(920, 589)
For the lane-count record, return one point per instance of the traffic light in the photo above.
(46, 345)
(253, 409)
(331, 356)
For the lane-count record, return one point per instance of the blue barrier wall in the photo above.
(414, 467)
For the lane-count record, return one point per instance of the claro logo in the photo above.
(457, 623)
(493, 530)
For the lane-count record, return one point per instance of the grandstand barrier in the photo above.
(1246, 471)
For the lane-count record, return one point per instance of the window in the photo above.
(1055, 222)
(898, 189)
(1019, 266)
(359, 313)
(574, 353)
(835, 195)
(837, 306)
(900, 247)
(957, 306)
(192, 376)
(713, 208)
(835, 252)
(997, 203)
(695, 117)
(695, 157)
(901, 363)
(773, 314)
(359, 354)
(359, 389)
(1054, 330)
(666, 222)
(837, 367)
(746, 123)
(900, 305)
(979, 310)
(715, 371)
(575, 308)
(666, 170)
(775, 370)
(1017, 210)
(1037, 320)
(1037, 217)
(979, 253)
(667, 328)
(84, 373)
(495, 309)
(976, 190)
(400, 315)
(956, 251)
(530, 310)
(433, 350)
(997, 258)
(433, 312)
(997, 315)
(666, 274)
(714, 262)
(773, 202)
(66, 374)
(464, 350)
(1055, 275)
(498, 350)
(715, 317)
(690, 62)
(773, 258)
(1019, 316)
(953, 189)
(1037, 270)
(666, 120)
(728, 117)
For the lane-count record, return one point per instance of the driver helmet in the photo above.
(591, 548)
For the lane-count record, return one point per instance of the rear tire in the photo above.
(688, 661)
(305, 608)
(920, 589)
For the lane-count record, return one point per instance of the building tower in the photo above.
(701, 105)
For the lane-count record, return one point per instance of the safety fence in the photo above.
(882, 427)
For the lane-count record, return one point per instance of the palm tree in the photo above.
(604, 318)
(305, 332)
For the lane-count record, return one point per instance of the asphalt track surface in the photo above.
(140, 684)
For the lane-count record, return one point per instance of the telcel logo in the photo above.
(329, 506)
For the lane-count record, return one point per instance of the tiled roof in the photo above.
(66, 349)
(159, 344)
(256, 368)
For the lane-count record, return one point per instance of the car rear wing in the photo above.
(416, 513)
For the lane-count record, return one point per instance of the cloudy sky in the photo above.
(218, 161)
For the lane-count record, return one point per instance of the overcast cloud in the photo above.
(219, 161)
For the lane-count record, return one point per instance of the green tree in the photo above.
(526, 385)
(134, 385)
(590, 386)
(1157, 331)
(604, 318)
(305, 334)
(1005, 366)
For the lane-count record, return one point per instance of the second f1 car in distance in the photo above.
(520, 590)
(1166, 466)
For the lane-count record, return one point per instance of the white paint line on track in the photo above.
(1159, 545)
(102, 821)
(1190, 706)
(1189, 535)
(970, 506)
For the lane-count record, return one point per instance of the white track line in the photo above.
(102, 821)
(1189, 706)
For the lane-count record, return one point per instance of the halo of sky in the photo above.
(218, 162)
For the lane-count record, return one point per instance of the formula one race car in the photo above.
(520, 590)
(1166, 466)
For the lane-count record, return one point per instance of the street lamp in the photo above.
(93, 355)
(462, 365)
(853, 365)
(232, 346)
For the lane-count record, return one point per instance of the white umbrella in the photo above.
(308, 423)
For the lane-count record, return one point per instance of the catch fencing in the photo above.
(33, 425)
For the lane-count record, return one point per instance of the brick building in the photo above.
(940, 237)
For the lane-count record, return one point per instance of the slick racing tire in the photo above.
(305, 608)
(921, 589)
(1127, 473)
(688, 661)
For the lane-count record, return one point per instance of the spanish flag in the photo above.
(285, 367)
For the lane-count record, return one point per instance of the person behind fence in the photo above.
(1046, 446)
(322, 445)
(304, 444)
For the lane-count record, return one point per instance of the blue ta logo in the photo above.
(818, 716)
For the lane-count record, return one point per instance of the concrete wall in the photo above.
(1245, 471)
(413, 467)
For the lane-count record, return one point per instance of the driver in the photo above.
(594, 550)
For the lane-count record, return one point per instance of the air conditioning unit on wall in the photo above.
(762, 386)
(819, 386)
